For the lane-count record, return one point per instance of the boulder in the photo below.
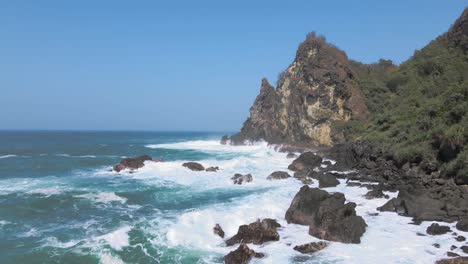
(327, 180)
(436, 229)
(377, 193)
(132, 163)
(452, 254)
(311, 247)
(224, 140)
(212, 169)
(464, 249)
(307, 160)
(218, 230)
(327, 215)
(278, 175)
(462, 225)
(257, 233)
(242, 255)
(303, 177)
(460, 238)
(458, 260)
(194, 166)
(240, 179)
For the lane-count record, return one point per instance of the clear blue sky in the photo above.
(181, 65)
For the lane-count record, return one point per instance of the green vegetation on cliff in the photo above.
(418, 110)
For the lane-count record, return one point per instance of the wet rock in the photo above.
(327, 180)
(353, 184)
(464, 249)
(132, 163)
(462, 225)
(436, 229)
(452, 254)
(195, 166)
(453, 247)
(240, 179)
(327, 163)
(459, 260)
(212, 169)
(307, 160)
(257, 233)
(225, 139)
(278, 175)
(242, 255)
(327, 215)
(460, 238)
(436, 245)
(291, 155)
(377, 193)
(311, 247)
(218, 230)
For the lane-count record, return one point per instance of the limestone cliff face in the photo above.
(314, 95)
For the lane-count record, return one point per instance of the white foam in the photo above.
(210, 146)
(103, 197)
(46, 191)
(107, 258)
(118, 238)
(8, 156)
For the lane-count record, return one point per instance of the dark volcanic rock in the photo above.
(464, 249)
(436, 229)
(459, 260)
(194, 166)
(257, 233)
(377, 193)
(218, 230)
(225, 139)
(240, 179)
(462, 225)
(307, 160)
(212, 169)
(303, 177)
(311, 247)
(291, 155)
(327, 215)
(460, 238)
(452, 254)
(242, 255)
(132, 163)
(327, 180)
(278, 175)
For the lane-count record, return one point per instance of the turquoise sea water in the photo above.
(59, 203)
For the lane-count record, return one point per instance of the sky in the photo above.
(181, 65)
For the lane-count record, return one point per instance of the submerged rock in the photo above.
(132, 163)
(307, 160)
(257, 233)
(278, 175)
(291, 155)
(311, 247)
(240, 179)
(212, 169)
(218, 230)
(327, 215)
(195, 166)
(242, 255)
(436, 229)
(459, 260)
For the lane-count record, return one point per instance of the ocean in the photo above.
(59, 203)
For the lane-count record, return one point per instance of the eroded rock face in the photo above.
(195, 166)
(311, 247)
(257, 233)
(241, 179)
(436, 229)
(242, 255)
(278, 175)
(314, 95)
(305, 161)
(327, 215)
(132, 163)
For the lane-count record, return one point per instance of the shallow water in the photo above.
(60, 204)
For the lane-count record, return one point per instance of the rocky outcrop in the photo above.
(240, 179)
(306, 161)
(314, 97)
(458, 260)
(327, 215)
(131, 163)
(217, 230)
(257, 233)
(436, 229)
(212, 169)
(242, 255)
(278, 175)
(195, 166)
(311, 247)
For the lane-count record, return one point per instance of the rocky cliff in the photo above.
(314, 97)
